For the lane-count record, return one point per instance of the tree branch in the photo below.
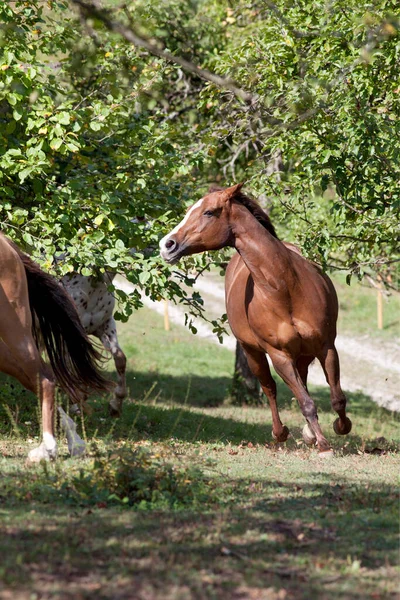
(93, 10)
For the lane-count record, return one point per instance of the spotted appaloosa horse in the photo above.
(95, 305)
(278, 303)
(35, 310)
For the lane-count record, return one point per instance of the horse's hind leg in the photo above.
(109, 340)
(260, 368)
(330, 364)
(19, 355)
(27, 367)
(303, 362)
(286, 369)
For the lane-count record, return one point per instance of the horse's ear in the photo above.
(231, 192)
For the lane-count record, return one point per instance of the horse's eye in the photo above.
(208, 213)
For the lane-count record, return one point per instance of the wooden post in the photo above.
(166, 316)
(379, 305)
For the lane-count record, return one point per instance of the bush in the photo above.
(134, 476)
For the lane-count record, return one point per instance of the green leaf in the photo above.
(144, 277)
(99, 219)
(73, 147)
(64, 118)
(17, 114)
(22, 175)
(55, 143)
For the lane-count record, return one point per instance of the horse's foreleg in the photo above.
(330, 364)
(109, 340)
(286, 369)
(260, 368)
(76, 445)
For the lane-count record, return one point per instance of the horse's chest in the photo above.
(94, 303)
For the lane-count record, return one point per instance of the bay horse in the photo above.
(277, 302)
(36, 313)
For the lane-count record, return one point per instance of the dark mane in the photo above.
(256, 211)
(253, 207)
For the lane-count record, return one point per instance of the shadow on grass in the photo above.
(214, 391)
(157, 417)
(302, 539)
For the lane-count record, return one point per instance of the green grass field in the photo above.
(231, 514)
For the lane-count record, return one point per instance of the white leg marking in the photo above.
(49, 441)
(42, 452)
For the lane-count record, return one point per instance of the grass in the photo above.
(263, 521)
(358, 310)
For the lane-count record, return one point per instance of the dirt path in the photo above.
(369, 366)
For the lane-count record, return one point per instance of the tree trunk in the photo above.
(245, 387)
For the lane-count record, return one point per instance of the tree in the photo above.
(88, 159)
(313, 83)
(107, 117)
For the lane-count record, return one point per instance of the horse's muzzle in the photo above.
(170, 250)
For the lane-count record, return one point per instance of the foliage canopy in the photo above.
(100, 137)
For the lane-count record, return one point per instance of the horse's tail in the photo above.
(55, 321)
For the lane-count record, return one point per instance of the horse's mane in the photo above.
(251, 206)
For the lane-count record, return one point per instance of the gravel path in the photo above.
(368, 365)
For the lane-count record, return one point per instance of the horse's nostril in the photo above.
(170, 244)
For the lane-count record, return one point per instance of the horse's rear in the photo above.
(26, 290)
(95, 305)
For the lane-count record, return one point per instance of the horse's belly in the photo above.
(273, 332)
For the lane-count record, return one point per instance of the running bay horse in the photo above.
(277, 302)
(35, 312)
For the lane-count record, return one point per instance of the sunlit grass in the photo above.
(275, 517)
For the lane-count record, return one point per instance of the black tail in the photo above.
(75, 362)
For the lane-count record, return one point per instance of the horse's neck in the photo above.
(264, 255)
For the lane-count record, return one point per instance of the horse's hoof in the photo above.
(326, 453)
(342, 429)
(308, 435)
(283, 436)
(77, 449)
(41, 453)
(114, 410)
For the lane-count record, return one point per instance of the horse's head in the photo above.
(204, 227)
